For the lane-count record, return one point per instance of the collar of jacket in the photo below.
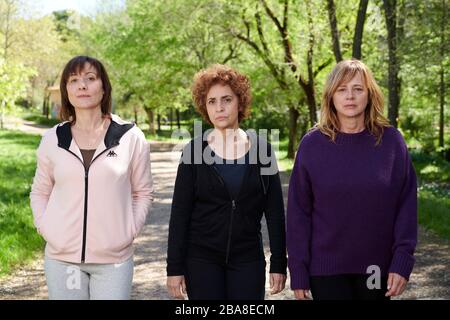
(113, 134)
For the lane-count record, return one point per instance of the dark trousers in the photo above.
(234, 281)
(346, 287)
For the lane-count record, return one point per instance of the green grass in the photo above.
(18, 239)
(284, 163)
(40, 119)
(434, 212)
(165, 135)
(433, 175)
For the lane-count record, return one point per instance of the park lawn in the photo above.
(18, 239)
(434, 213)
(433, 175)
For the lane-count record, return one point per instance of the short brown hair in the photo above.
(75, 65)
(218, 73)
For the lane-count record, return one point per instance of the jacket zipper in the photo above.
(86, 184)
(233, 208)
(86, 189)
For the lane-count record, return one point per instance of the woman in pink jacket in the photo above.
(92, 190)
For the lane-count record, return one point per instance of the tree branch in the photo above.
(232, 55)
(359, 28)
(334, 30)
(260, 33)
(322, 66)
(272, 16)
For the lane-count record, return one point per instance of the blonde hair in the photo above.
(374, 120)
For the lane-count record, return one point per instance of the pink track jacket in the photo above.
(92, 216)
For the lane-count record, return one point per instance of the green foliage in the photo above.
(13, 82)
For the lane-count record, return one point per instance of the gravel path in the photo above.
(15, 123)
(430, 279)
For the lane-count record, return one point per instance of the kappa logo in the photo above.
(111, 154)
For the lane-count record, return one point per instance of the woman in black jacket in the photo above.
(226, 181)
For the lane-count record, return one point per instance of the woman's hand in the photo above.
(301, 294)
(396, 285)
(176, 285)
(277, 282)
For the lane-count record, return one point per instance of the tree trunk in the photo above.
(359, 28)
(442, 78)
(293, 129)
(390, 7)
(158, 120)
(171, 119)
(45, 106)
(2, 112)
(178, 119)
(151, 120)
(135, 110)
(309, 86)
(311, 100)
(334, 30)
(7, 32)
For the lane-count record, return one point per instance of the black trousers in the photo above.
(346, 287)
(234, 281)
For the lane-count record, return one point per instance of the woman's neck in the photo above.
(89, 119)
(230, 143)
(351, 125)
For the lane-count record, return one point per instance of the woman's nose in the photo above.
(219, 106)
(82, 85)
(349, 94)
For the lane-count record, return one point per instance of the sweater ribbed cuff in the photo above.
(402, 264)
(299, 278)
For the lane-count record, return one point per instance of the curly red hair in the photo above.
(218, 73)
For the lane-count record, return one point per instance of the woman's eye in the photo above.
(228, 100)
(91, 78)
(73, 80)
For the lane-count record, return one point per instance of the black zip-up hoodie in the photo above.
(208, 224)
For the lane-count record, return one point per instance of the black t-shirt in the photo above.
(232, 172)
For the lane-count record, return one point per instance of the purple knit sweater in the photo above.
(351, 205)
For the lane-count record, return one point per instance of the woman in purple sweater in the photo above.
(352, 203)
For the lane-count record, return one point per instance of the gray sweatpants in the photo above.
(88, 281)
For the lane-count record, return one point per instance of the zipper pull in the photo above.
(233, 205)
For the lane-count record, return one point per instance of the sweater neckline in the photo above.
(345, 138)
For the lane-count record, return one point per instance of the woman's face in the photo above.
(85, 90)
(222, 106)
(351, 98)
